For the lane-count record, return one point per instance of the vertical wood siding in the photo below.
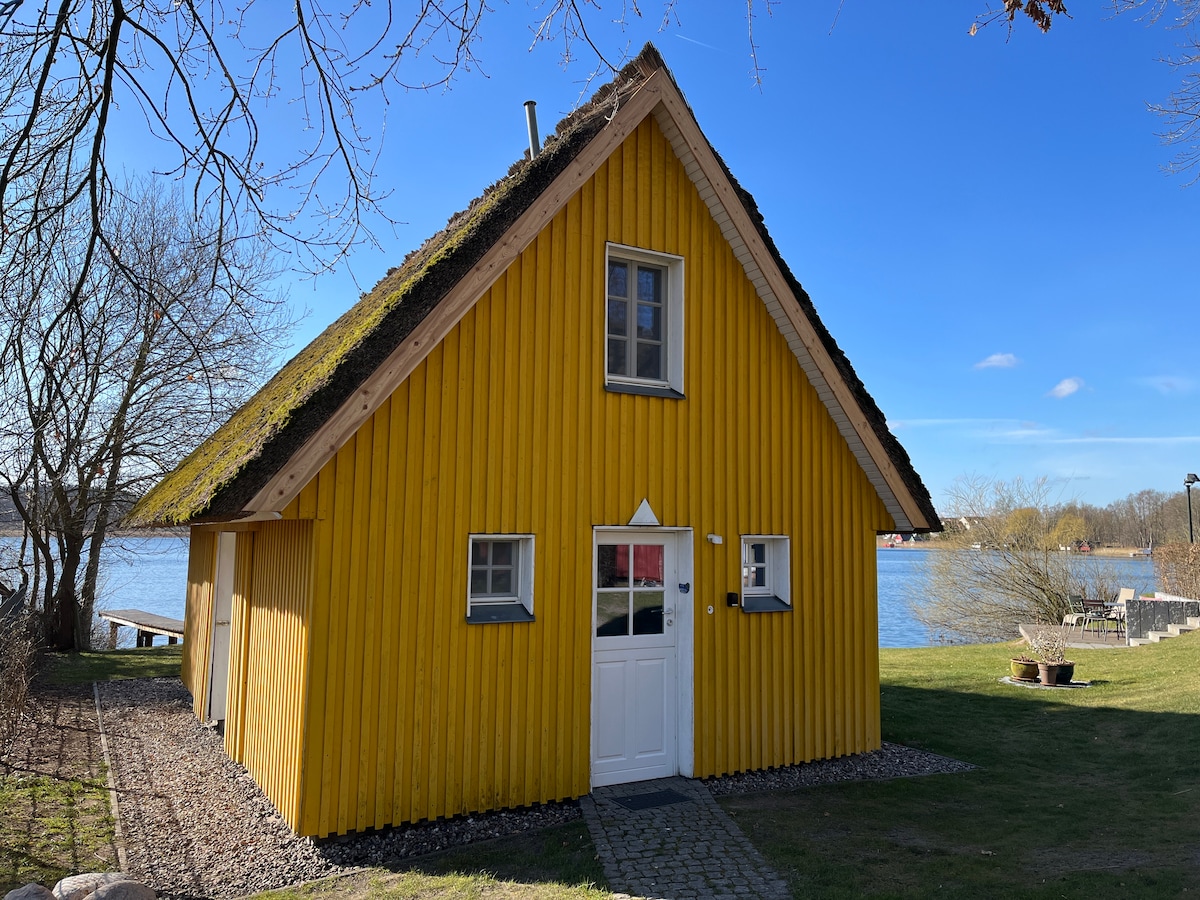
(239, 644)
(268, 660)
(197, 625)
(506, 428)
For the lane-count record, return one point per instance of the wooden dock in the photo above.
(148, 624)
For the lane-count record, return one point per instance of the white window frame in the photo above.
(672, 385)
(776, 594)
(517, 607)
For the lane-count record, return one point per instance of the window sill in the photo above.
(764, 604)
(486, 615)
(643, 390)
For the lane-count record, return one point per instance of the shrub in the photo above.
(1178, 569)
(18, 656)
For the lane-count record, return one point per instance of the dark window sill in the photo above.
(486, 615)
(764, 604)
(643, 390)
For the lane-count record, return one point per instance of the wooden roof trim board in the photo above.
(681, 129)
(287, 483)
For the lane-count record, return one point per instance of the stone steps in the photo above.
(1173, 630)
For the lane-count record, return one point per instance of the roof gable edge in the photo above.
(762, 269)
(291, 477)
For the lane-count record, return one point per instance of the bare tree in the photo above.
(192, 83)
(1181, 111)
(103, 395)
(1007, 568)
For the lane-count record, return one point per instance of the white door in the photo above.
(634, 670)
(218, 665)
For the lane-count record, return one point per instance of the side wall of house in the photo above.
(197, 625)
(240, 692)
(268, 658)
(507, 428)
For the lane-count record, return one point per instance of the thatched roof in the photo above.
(225, 478)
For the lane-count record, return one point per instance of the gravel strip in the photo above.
(889, 761)
(196, 824)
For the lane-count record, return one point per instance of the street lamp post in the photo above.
(1188, 481)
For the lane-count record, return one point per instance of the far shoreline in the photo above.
(882, 543)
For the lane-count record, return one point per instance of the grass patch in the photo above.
(51, 828)
(1081, 793)
(112, 665)
(553, 864)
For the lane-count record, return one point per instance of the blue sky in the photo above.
(982, 222)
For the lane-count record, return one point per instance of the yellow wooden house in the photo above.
(582, 493)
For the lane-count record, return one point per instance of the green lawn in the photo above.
(52, 827)
(58, 823)
(112, 665)
(1080, 793)
(553, 864)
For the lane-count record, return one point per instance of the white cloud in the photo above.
(1148, 440)
(998, 361)
(1169, 384)
(1066, 387)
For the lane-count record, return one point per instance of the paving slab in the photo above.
(680, 845)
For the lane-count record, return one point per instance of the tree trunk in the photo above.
(69, 632)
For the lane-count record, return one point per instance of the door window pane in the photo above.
(648, 565)
(647, 612)
(623, 605)
(612, 564)
(612, 613)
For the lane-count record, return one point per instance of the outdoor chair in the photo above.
(1116, 612)
(1095, 613)
(1077, 613)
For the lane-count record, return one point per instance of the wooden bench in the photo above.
(148, 624)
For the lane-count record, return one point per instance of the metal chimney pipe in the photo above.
(531, 120)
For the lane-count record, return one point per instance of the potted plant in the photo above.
(1049, 646)
(1023, 668)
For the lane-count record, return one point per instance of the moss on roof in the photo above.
(221, 475)
(225, 472)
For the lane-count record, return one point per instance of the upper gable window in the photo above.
(644, 322)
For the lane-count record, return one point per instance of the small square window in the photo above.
(644, 322)
(766, 573)
(500, 580)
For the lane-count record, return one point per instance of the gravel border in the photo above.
(197, 826)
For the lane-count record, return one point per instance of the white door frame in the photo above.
(221, 625)
(685, 605)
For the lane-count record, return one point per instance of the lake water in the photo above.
(151, 574)
(901, 571)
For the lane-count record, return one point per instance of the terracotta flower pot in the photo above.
(1048, 673)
